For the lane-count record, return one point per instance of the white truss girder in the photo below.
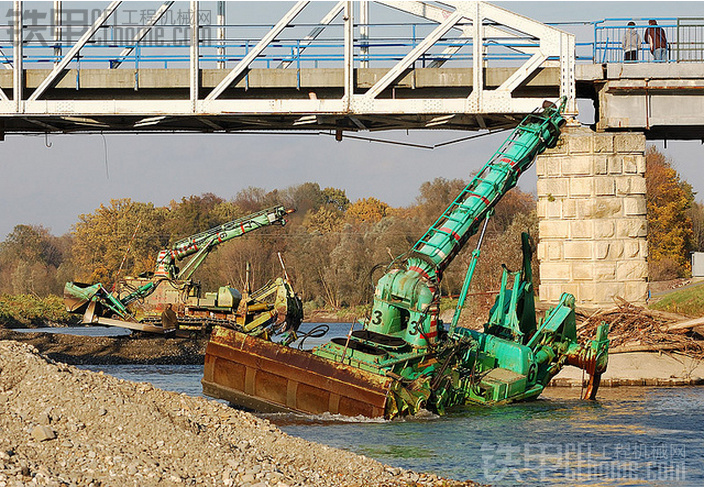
(59, 68)
(459, 24)
(141, 34)
(257, 50)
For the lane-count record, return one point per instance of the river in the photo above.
(629, 436)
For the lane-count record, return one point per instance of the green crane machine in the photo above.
(404, 359)
(169, 296)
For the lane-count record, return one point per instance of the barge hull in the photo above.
(268, 377)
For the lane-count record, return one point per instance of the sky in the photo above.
(51, 181)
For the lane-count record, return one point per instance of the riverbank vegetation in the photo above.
(334, 249)
(688, 301)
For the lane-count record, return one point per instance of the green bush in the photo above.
(25, 310)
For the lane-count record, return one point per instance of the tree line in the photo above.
(333, 249)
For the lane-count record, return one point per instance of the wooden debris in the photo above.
(633, 328)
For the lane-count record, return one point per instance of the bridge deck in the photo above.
(130, 100)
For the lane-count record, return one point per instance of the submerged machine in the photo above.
(168, 300)
(405, 359)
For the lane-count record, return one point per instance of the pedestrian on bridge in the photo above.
(631, 43)
(658, 44)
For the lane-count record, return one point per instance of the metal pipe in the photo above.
(468, 278)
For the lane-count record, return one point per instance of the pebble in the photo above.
(115, 432)
(43, 433)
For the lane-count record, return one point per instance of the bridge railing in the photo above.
(684, 36)
(166, 45)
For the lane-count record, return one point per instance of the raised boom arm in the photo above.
(406, 297)
(201, 244)
(77, 296)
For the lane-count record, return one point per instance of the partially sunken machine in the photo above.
(405, 359)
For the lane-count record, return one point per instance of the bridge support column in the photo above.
(592, 218)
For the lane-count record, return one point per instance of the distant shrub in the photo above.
(665, 269)
(25, 310)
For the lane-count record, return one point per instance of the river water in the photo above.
(629, 436)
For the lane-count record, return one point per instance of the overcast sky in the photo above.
(51, 186)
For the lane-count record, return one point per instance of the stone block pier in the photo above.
(592, 218)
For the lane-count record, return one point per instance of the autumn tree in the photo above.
(695, 213)
(32, 243)
(330, 216)
(324, 220)
(336, 199)
(102, 239)
(435, 196)
(198, 213)
(251, 199)
(303, 197)
(309, 257)
(30, 258)
(369, 210)
(668, 201)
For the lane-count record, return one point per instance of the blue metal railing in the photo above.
(684, 36)
(167, 45)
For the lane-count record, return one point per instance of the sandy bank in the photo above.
(60, 425)
(641, 369)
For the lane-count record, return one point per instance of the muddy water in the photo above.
(630, 436)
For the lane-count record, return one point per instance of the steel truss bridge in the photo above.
(345, 66)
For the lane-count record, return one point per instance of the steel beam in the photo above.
(415, 53)
(364, 33)
(256, 51)
(478, 79)
(437, 14)
(220, 52)
(140, 35)
(523, 72)
(59, 68)
(316, 31)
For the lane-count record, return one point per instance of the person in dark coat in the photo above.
(658, 44)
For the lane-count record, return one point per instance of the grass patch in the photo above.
(688, 302)
(24, 310)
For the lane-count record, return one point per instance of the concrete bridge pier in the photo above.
(592, 218)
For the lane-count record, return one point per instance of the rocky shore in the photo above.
(63, 426)
(81, 350)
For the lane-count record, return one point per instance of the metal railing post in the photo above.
(364, 33)
(348, 56)
(194, 53)
(221, 35)
(17, 55)
(57, 31)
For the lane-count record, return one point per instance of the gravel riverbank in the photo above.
(63, 426)
(98, 350)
